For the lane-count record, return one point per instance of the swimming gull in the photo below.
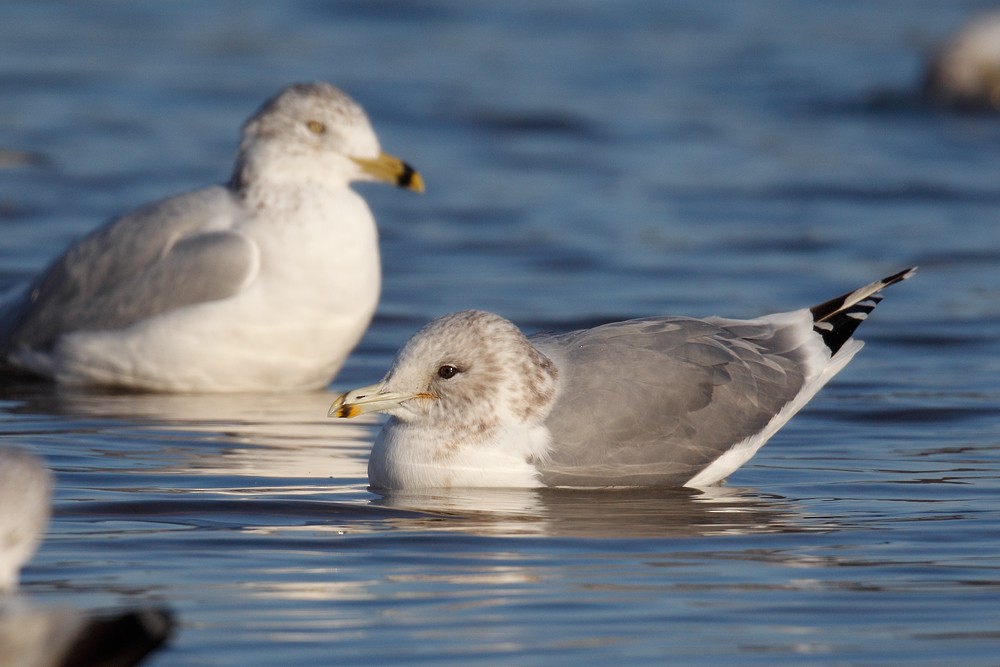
(668, 401)
(265, 283)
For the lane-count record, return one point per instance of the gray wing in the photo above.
(654, 401)
(172, 253)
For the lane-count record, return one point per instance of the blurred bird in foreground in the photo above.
(34, 636)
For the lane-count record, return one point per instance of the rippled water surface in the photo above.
(585, 161)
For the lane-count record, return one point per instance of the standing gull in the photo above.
(265, 283)
(660, 401)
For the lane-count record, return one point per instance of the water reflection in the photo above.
(597, 513)
(276, 435)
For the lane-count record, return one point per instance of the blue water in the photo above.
(585, 161)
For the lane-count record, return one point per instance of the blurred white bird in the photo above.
(35, 636)
(25, 496)
(964, 73)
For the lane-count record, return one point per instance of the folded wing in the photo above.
(176, 252)
(661, 398)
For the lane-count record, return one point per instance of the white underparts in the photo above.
(411, 457)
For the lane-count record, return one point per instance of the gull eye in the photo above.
(316, 127)
(447, 371)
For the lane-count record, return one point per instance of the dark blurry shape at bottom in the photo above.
(33, 636)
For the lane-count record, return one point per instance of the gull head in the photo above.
(471, 371)
(315, 132)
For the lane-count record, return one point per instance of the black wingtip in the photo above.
(837, 319)
(898, 277)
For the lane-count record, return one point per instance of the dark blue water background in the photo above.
(585, 161)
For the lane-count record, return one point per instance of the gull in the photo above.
(964, 73)
(659, 401)
(57, 636)
(25, 495)
(262, 284)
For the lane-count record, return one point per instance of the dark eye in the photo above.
(447, 371)
(316, 127)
